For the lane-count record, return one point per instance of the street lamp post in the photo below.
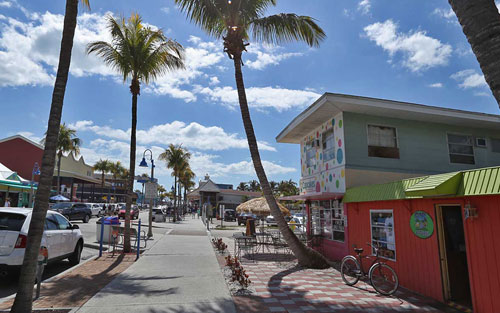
(36, 171)
(145, 164)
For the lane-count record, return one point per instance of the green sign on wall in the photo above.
(421, 224)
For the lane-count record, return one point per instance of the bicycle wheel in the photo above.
(350, 270)
(383, 279)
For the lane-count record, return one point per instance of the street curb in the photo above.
(94, 246)
(48, 280)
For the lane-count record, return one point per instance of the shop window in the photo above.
(382, 231)
(310, 154)
(328, 145)
(382, 142)
(328, 220)
(461, 149)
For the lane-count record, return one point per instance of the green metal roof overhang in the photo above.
(436, 185)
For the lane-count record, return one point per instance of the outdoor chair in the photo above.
(279, 244)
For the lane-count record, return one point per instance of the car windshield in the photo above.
(11, 221)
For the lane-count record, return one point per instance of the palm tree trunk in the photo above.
(59, 172)
(134, 88)
(480, 22)
(24, 297)
(305, 255)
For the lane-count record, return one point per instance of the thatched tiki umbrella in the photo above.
(258, 206)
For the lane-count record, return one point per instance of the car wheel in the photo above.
(74, 259)
(86, 219)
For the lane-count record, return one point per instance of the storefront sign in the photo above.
(421, 224)
(308, 185)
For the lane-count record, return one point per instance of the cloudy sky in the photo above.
(409, 50)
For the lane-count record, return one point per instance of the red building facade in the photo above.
(20, 155)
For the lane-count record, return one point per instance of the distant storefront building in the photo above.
(14, 187)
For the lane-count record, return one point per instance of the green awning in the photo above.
(436, 185)
(389, 191)
(14, 185)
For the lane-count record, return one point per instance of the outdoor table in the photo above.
(239, 241)
(264, 240)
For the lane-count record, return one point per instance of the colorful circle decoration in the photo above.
(421, 224)
(318, 187)
(331, 178)
(327, 166)
(317, 134)
(340, 124)
(342, 173)
(333, 121)
(337, 183)
(340, 143)
(340, 156)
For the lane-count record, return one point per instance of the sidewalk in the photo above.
(179, 273)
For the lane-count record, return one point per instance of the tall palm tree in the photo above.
(24, 296)
(140, 55)
(186, 179)
(235, 22)
(103, 166)
(254, 185)
(242, 186)
(116, 170)
(66, 142)
(480, 22)
(176, 158)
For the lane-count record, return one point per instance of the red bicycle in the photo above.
(382, 277)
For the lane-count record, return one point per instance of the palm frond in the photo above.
(208, 14)
(282, 28)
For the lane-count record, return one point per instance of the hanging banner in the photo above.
(421, 224)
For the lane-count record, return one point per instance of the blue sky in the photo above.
(409, 50)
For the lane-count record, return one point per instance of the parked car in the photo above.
(134, 212)
(270, 221)
(243, 217)
(230, 215)
(158, 211)
(95, 208)
(61, 239)
(73, 211)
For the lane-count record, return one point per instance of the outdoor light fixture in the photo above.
(143, 163)
(469, 211)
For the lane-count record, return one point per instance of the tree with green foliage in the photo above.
(236, 22)
(140, 54)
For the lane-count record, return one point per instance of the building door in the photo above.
(453, 255)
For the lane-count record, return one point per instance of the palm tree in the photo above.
(480, 22)
(288, 188)
(103, 166)
(24, 296)
(235, 22)
(66, 142)
(176, 158)
(254, 186)
(116, 170)
(242, 186)
(186, 179)
(139, 54)
(274, 186)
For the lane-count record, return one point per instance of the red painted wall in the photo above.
(482, 237)
(417, 260)
(20, 156)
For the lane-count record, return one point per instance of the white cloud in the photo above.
(207, 163)
(278, 98)
(30, 136)
(191, 135)
(469, 79)
(5, 4)
(447, 14)
(165, 10)
(364, 6)
(420, 51)
(436, 85)
(267, 55)
(214, 80)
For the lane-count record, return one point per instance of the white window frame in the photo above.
(381, 125)
(323, 140)
(313, 159)
(472, 145)
(393, 230)
(320, 222)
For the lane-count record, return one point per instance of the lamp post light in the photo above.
(36, 171)
(145, 164)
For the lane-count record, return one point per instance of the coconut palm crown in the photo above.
(237, 22)
(139, 54)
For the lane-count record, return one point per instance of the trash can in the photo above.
(108, 222)
(159, 218)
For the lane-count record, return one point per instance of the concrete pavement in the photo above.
(179, 273)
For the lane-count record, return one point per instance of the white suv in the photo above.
(61, 238)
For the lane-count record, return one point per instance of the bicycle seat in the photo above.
(358, 250)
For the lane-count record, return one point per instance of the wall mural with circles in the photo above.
(322, 158)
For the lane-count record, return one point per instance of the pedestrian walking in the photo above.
(7, 202)
(199, 213)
